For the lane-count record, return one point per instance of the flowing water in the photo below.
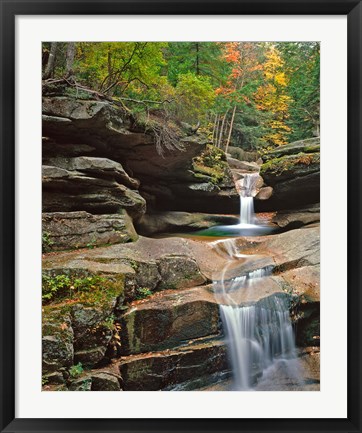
(248, 223)
(257, 328)
(247, 190)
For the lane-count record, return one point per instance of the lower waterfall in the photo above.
(258, 333)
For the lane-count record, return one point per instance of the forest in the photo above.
(256, 95)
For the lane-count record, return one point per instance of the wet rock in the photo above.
(157, 371)
(67, 230)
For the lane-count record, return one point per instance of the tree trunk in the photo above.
(222, 128)
(49, 69)
(231, 128)
(217, 130)
(197, 59)
(69, 60)
(214, 129)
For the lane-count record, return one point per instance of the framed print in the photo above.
(180, 217)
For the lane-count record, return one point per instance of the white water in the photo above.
(247, 190)
(256, 337)
(259, 335)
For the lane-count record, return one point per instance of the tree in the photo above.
(195, 96)
(117, 67)
(69, 60)
(302, 65)
(235, 95)
(272, 97)
(49, 69)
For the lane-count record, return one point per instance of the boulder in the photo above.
(179, 272)
(242, 155)
(105, 381)
(166, 321)
(309, 145)
(157, 371)
(57, 343)
(89, 184)
(264, 193)
(93, 330)
(92, 122)
(291, 219)
(249, 167)
(293, 171)
(96, 381)
(67, 230)
(82, 384)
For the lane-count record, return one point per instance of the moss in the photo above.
(211, 164)
(134, 341)
(87, 290)
(283, 164)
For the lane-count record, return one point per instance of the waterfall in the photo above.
(257, 334)
(247, 190)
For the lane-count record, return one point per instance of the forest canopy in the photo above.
(253, 95)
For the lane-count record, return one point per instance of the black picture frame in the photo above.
(8, 11)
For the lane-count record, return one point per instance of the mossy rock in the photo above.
(290, 166)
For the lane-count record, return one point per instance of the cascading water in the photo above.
(257, 327)
(257, 336)
(247, 190)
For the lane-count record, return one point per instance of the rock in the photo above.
(94, 167)
(89, 121)
(82, 384)
(291, 219)
(103, 381)
(187, 180)
(179, 272)
(67, 230)
(310, 145)
(294, 177)
(57, 341)
(93, 330)
(264, 193)
(139, 267)
(243, 165)
(101, 147)
(292, 249)
(159, 370)
(242, 155)
(95, 188)
(177, 317)
(55, 378)
(173, 222)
